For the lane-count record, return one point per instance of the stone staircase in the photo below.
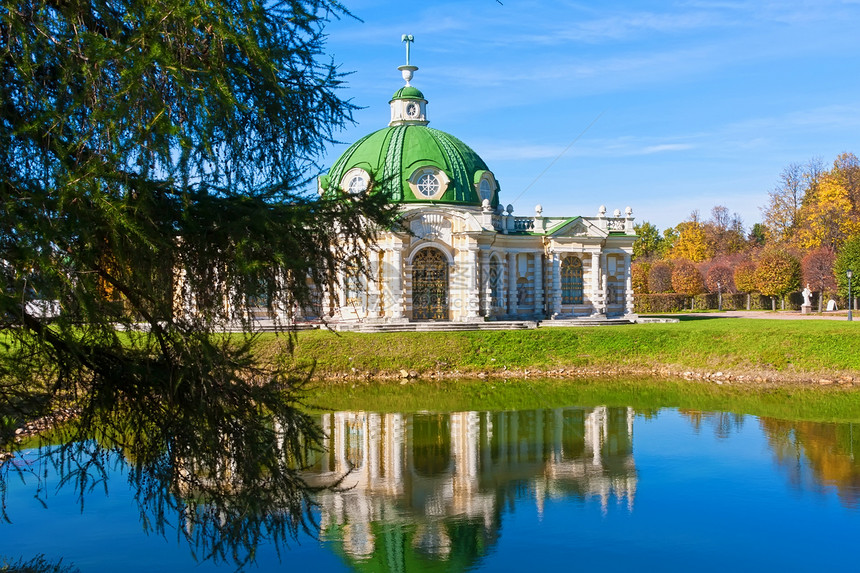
(449, 326)
(441, 326)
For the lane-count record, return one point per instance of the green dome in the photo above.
(397, 155)
(407, 92)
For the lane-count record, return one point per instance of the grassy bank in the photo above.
(774, 349)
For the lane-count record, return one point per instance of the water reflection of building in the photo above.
(440, 482)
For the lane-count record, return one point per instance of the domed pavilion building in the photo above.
(466, 257)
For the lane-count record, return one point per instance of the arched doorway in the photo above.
(571, 280)
(430, 285)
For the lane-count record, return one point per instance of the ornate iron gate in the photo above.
(430, 285)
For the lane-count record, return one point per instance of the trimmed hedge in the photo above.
(673, 302)
(664, 302)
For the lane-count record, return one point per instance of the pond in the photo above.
(570, 487)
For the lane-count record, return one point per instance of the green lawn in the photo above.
(778, 347)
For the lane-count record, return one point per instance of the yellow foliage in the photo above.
(692, 243)
(826, 217)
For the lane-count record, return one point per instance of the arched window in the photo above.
(571, 280)
(352, 285)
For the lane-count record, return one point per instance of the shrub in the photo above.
(722, 276)
(639, 277)
(686, 279)
(660, 278)
(745, 277)
(777, 273)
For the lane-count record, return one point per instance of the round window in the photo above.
(357, 184)
(428, 185)
(355, 181)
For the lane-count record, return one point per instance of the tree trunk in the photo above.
(749, 297)
(773, 303)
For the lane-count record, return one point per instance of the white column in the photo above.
(628, 273)
(512, 284)
(596, 293)
(604, 282)
(554, 295)
(396, 282)
(486, 290)
(473, 294)
(374, 289)
(502, 285)
(538, 308)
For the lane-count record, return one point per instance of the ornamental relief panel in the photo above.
(431, 227)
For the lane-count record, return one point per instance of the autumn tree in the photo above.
(846, 167)
(692, 243)
(647, 243)
(828, 216)
(660, 277)
(686, 278)
(777, 273)
(782, 213)
(848, 258)
(639, 277)
(756, 236)
(670, 238)
(817, 266)
(745, 281)
(724, 232)
(720, 278)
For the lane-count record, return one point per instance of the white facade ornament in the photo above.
(432, 227)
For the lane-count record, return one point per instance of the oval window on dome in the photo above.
(428, 183)
(486, 185)
(355, 181)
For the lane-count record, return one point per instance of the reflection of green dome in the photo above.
(392, 155)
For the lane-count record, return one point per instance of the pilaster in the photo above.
(512, 284)
(538, 270)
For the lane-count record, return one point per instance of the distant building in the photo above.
(468, 258)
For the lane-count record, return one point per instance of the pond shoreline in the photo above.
(746, 379)
(751, 378)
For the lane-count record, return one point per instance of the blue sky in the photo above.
(663, 106)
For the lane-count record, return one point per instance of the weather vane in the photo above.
(408, 38)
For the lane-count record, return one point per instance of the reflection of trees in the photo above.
(722, 423)
(430, 489)
(224, 474)
(815, 455)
